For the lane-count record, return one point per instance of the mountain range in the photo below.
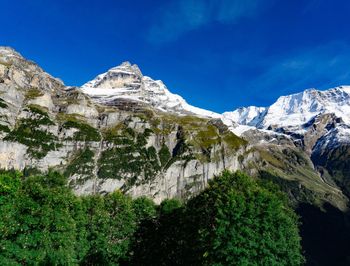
(123, 130)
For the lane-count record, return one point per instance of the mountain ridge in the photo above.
(298, 108)
(127, 82)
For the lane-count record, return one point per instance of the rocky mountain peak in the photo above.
(123, 76)
(127, 67)
(126, 83)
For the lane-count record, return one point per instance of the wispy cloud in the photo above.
(178, 17)
(320, 67)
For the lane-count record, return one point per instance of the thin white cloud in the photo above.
(231, 11)
(181, 16)
(322, 67)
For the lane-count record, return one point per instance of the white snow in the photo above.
(127, 82)
(296, 109)
(334, 138)
(245, 115)
(240, 129)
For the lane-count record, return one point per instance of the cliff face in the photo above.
(102, 147)
(150, 143)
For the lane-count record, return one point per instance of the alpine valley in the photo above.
(123, 130)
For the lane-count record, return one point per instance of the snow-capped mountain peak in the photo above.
(124, 75)
(296, 109)
(299, 108)
(127, 82)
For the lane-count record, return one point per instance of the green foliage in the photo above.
(119, 135)
(207, 137)
(182, 150)
(164, 155)
(33, 93)
(235, 221)
(144, 208)
(253, 225)
(9, 184)
(163, 241)
(29, 171)
(199, 135)
(111, 224)
(170, 205)
(81, 164)
(43, 223)
(36, 226)
(30, 132)
(130, 159)
(85, 131)
(296, 192)
(43, 115)
(233, 141)
(337, 163)
(3, 104)
(4, 128)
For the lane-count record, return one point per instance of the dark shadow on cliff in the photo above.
(325, 235)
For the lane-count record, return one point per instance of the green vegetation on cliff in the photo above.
(82, 164)
(84, 132)
(33, 132)
(129, 158)
(5, 128)
(33, 93)
(3, 104)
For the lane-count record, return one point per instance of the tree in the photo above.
(144, 209)
(235, 221)
(36, 224)
(242, 222)
(110, 227)
(159, 241)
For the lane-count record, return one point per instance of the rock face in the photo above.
(109, 141)
(127, 82)
(126, 131)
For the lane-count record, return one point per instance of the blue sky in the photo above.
(217, 54)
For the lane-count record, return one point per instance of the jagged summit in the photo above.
(124, 75)
(126, 82)
(296, 109)
(127, 68)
